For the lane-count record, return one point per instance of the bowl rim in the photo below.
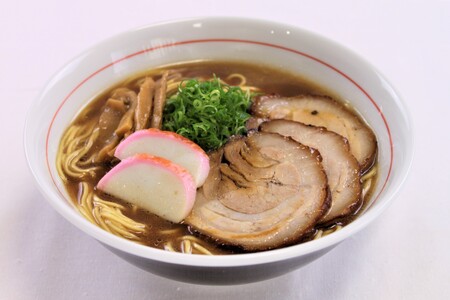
(234, 260)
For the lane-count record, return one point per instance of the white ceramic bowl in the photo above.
(283, 46)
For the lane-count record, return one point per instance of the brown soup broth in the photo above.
(159, 231)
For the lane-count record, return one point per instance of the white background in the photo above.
(405, 254)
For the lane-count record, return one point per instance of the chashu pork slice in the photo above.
(325, 112)
(341, 167)
(263, 191)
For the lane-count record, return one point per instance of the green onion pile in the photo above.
(207, 112)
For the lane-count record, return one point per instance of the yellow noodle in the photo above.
(85, 193)
(331, 230)
(59, 167)
(366, 187)
(196, 243)
(324, 232)
(81, 137)
(186, 246)
(69, 135)
(75, 172)
(89, 202)
(105, 204)
(168, 247)
(318, 235)
(121, 231)
(75, 164)
(88, 146)
(97, 199)
(173, 77)
(334, 229)
(101, 205)
(84, 204)
(112, 229)
(66, 146)
(242, 85)
(111, 211)
(80, 134)
(124, 221)
(192, 238)
(172, 88)
(169, 231)
(201, 249)
(70, 162)
(99, 219)
(251, 89)
(86, 214)
(240, 76)
(369, 174)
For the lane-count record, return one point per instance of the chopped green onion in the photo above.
(207, 112)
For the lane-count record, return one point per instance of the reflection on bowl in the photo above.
(284, 47)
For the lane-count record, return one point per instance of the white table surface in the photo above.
(404, 255)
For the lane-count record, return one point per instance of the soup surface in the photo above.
(81, 172)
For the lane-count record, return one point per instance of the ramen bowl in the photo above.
(282, 46)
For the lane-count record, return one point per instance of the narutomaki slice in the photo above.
(325, 112)
(263, 191)
(168, 145)
(152, 183)
(340, 165)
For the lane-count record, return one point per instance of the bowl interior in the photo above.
(320, 60)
